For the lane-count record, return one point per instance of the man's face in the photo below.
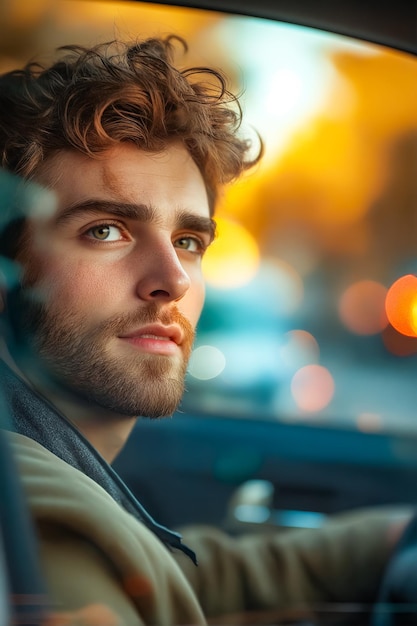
(113, 280)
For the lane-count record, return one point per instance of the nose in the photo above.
(162, 276)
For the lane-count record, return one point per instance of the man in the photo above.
(100, 325)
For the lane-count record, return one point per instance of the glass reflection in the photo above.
(307, 314)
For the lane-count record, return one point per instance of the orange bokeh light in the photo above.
(312, 388)
(362, 307)
(401, 305)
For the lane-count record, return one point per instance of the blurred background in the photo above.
(311, 311)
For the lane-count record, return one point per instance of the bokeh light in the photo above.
(291, 77)
(369, 422)
(233, 258)
(312, 388)
(206, 362)
(401, 305)
(362, 307)
(300, 348)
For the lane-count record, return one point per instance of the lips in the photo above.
(157, 332)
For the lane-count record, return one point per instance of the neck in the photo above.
(105, 430)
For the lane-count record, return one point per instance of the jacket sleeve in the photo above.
(341, 562)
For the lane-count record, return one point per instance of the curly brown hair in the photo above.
(91, 98)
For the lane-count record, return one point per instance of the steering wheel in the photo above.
(397, 599)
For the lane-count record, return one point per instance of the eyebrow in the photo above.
(139, 212)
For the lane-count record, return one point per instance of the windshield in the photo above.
(311, 311)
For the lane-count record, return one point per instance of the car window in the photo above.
(311, 312)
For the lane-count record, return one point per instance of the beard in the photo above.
(79, 358)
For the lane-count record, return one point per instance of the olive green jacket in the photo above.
(93, 551)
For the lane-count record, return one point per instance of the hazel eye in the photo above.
(105, 232)
(191, 244)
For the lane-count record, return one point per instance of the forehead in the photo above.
(168, 181)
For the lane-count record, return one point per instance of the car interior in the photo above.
(301, 389)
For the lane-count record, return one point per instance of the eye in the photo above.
(105, 232)
(191, 244)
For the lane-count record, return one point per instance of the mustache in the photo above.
(152, 314)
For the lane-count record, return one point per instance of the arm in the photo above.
(341, 562)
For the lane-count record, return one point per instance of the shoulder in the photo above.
(84, 531)
(50, 483)
(64, 500)
(60, 495)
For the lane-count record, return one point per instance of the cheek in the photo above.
(74, 287)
